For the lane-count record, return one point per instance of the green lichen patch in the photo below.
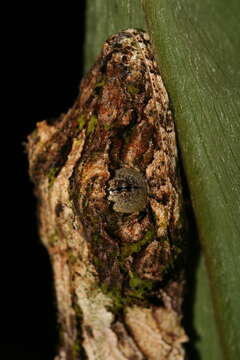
(52, 175)
(107, 126)
(78, 141)
(133, 89)
(85, 203)
(96, 261)
(100, 83)
(116, 295)
(91, 125)
(139, 287)
(96, 237)
(129, 249)
(76, 349)
(95, 155)
(137, 290)
(53, 239)
(81, 121)
(71, 257)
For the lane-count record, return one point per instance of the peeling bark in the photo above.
(111, 212)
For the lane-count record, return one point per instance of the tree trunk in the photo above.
(111, 210)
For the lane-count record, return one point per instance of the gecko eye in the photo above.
(128, 191)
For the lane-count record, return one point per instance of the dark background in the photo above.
(44, 70)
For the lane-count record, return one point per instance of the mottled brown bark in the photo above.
(110, 207)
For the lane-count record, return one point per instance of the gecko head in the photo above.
(128, 191)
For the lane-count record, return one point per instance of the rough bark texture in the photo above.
(111, 210)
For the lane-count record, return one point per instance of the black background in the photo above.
(43, 71)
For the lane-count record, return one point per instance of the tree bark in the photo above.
(111, 210)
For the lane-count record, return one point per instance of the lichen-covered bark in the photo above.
(111, 210)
